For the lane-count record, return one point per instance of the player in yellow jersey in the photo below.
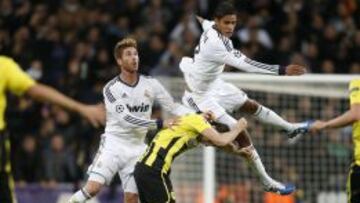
(352, 116)
(152, 171)
(16, 81)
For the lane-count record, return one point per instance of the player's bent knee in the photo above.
(93, 187)
(131, 197)
(246, 152)
(250, 107)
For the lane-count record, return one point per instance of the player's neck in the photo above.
(215, 27)
(129, 78)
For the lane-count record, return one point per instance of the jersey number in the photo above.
(204, 38)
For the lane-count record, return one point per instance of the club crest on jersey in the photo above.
(147, 93)
(119, 108)
(123, 95)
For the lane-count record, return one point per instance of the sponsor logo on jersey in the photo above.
(138, 108)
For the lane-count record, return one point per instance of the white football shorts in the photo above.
(221, 98)
(115, 155)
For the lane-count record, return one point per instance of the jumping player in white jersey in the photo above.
(207, 92)
(129, 98)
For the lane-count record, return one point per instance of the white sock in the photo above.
(80, 196)
(253, 157)
(255, 163)
(226, 119)
(268, 116)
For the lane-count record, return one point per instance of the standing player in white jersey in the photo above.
(129, 98)
(206, 91)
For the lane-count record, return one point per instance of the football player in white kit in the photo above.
(129, 98)
(207, 92)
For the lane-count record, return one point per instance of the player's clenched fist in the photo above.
(317, 126)
(242, 124)
(171, 122)
(293, 69)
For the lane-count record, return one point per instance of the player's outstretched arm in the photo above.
(238, 60)
(345, 119)
(167, 102)
(95, 114)
(223, 139)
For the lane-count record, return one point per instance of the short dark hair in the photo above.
(225, 8)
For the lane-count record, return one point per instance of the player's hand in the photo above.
(293, 69)
(317, 126)
(209, 116)
(241, 124)
(95, 114)
(234, 146)
(171, 122)
(242, 151)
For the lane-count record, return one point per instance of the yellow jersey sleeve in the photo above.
(354, 89)
(18, 81)
(198, 123)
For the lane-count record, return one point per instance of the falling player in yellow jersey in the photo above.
(152, 171)
(352, 116)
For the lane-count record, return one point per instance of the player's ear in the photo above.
(119, 61)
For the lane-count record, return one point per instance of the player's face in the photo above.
(129, 60)
(226, 25)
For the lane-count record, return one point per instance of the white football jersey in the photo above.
(128, 108)
(213, 52)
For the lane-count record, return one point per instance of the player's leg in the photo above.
(153, 186)
(233, 99)
(93, 186)
(131, 197)
(268, 116)
(245, 148)
(130, 188)
(133, 152)
(243, 141)
(353, 184)
(7, 188)
(100, 172)
(90, 190)
(7, 193)
(265, 114)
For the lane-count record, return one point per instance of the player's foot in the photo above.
(280, 189)
(71, 200)
(299, 130)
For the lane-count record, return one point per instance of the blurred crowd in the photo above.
(68, 44)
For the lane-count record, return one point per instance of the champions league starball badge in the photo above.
(119, 108)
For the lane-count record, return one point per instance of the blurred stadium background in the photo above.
(68, 44)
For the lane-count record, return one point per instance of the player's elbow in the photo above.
(356, 116)
(222, 142)
(355, 113)
(35, 91)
